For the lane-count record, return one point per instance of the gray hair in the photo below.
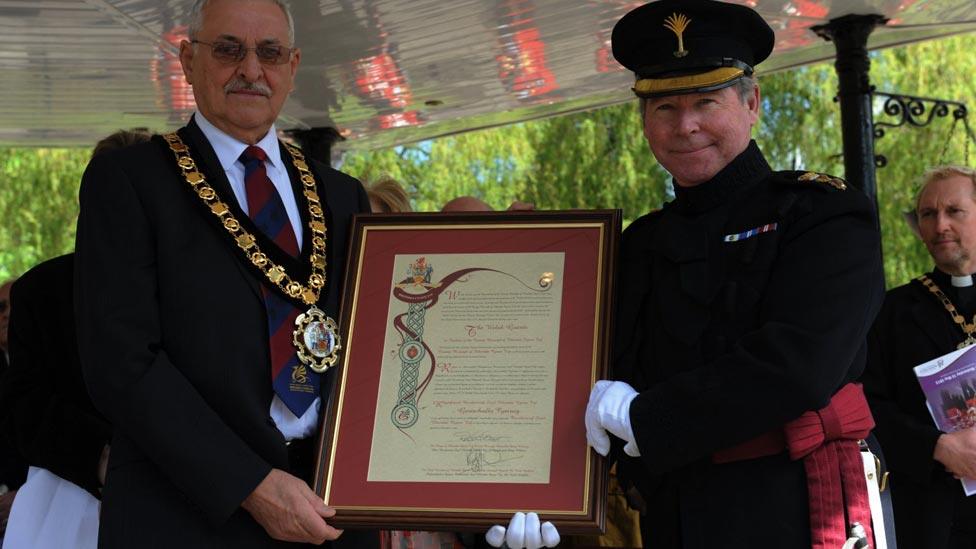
(946, 171)
(745, 86)
(196, 19)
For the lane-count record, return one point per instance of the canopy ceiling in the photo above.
(383, 72)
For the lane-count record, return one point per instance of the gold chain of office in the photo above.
(308, 293)
(967, 328)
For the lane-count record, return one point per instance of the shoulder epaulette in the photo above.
(823, 179)
(809, 180)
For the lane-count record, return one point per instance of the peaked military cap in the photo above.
(687, 46)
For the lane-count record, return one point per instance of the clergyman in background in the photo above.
(919, 321)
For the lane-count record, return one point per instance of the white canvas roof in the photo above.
(382, 71)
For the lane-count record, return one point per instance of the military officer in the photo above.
(743, 311)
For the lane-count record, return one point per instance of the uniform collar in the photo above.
(945, 280)
(963, 297)
(746, 169)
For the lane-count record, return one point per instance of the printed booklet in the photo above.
(949, 384)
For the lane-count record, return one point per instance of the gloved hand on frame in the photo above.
(609, 410)
(523, 532)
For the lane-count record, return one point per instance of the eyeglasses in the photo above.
(232, 52)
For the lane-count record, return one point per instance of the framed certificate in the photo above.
(471, 344)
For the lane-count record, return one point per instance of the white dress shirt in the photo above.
(229, 151)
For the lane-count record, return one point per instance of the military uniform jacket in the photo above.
(172, 333)
(913, 327)
(742, 304)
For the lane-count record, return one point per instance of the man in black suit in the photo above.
(915, 326)
(196, 254)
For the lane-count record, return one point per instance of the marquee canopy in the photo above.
(383, 72)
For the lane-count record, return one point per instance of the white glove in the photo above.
(524, 532)
(609, 410)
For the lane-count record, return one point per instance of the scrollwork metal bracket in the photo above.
(918, 112)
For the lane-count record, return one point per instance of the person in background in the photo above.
(386, 195)
(13, 468)
(742, 309)
(466, 204)
(920, 321)
(45, 409)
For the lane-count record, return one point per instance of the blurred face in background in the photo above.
(947, 223)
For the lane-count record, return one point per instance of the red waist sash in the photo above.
(827, 442)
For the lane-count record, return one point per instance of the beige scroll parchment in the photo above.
(467, 385)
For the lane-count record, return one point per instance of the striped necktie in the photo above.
(297, 386)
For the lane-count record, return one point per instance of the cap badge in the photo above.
(677, 23)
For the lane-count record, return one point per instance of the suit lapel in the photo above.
(212, 169)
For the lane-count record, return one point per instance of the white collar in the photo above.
(964, 281)
(229, 149)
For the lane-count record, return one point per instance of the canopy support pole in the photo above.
(850, 36)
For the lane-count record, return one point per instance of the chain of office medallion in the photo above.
(308, 292)
(967, 329)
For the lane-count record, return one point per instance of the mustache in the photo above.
(238, 84)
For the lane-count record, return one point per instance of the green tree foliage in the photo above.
(940, 69)
(799, 127)
(38, 205)
(597, 159)
(490, 165)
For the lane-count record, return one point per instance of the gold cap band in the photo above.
(690, 82)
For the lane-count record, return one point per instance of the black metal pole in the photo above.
(317, 142)
(850, 36)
